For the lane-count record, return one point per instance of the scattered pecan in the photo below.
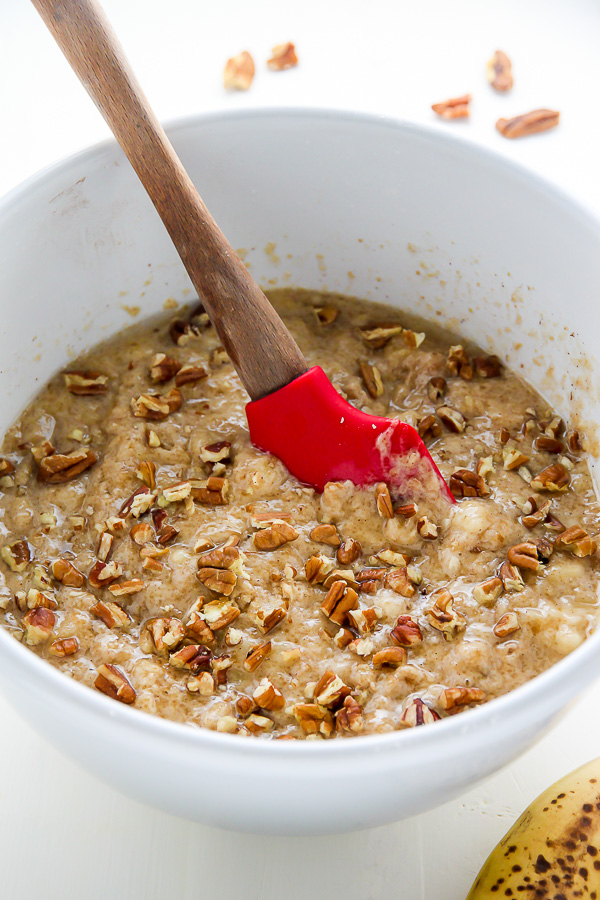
(525, 556)
(103, 574)
(165, 532)
(426, 529)
(369, 580)
(190, 375)
(377, 336)
(138, 503)
(450, 698)
(406, 632)
(340, 598)
(146, 472)
(112, 682)
(391, 657)
(442, 615)
(220, 666)
(113, 615)
(349, 717)
(203, 684)
(407, 511)
(429, 428)
(398, 581)
(125, 588)
(488, 591)
(37, 625)
(485, 466)
(511, 577)
(85, 383)
(499, 71)
(276, 535)
(458, 363)
(284, 57)
(418, 713)
(577, 541)
(465, 483)
(256, 656)
(161, 635)
(156, 406)
(549, 444)
(574, 442)
(60, 467)
(218, 452)
(6, 467)
(364, 620)
(17, 556)
(325, 534)
(552, 478)
(220, 558)
(239, 72)
(487, 366)
(330, 690)
(452, 419)
(221, 581)
(193, 657)
(213, 491)
(529, 123)
(141, 533)
(326, 315)
(384, 501)
(267, 696)
(455, 108)
(436, 388)
(163, 368)
(372, 379)
(219, 614)
(513, 458)
(506, 624)
(413, 339)
(348, 552)
(64, 647)
(313, 719)
(104, 546)
(317, 568)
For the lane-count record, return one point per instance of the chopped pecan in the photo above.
(504, 435)
(485, 466)
(37, 598)
(190, 375)
(38, 624)
(406, 632)
(165, 532)
(238, 73)
(384, 501)
(372, 379)
(276, 535)
(41, 451)
(146, 472)
(197, 630)
(511, 577)
(17, 556)
(452, 419)
(513, 458)
(443, 617)
(458, 363)
(525, 556)
(6, 467)
(61, 467)
(488, 591)
(85, 383)
(102, 574)
(450, 698)
(138, 503)
(412, 338)
(221, 581)
(529, 123)
(220, 558)
(156, 406)
(455, 108)
(220, 666)
(163, 368)
(436, 388)
(552, 478)
(377, 336)
(313, 719)
(175, 493)
(391, 657)
(330, 690)
(487, 366)
(113, 615)
(348, 552)
(141, 533)
(426, 529)
(213, 491)
(112, 682)
(577, 541)
(256, 724)
(499, 71)
(284, 57)
(465, 483)
(268, 620)
(407, 510)
(506, 624)
(64, 647)
(397, 579)
(104, 546)
(364, 620)
(349, 717)
(125, 588)
(339, 599)
(429, 427)
(574, 442)
(325, 534)
(203, 684)
(193, 657)
(418, 713)
(267, 696)
(219, 614)
(326, 315)
(317, 568)
(218, 452)
(369, 580)
(256, 656)
(162, 635)
(549, 444)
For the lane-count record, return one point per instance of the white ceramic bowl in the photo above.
(363, 206)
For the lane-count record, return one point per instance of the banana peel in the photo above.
(553, 851)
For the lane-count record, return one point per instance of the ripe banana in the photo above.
(553, 851)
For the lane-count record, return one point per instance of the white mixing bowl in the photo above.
(355, 204)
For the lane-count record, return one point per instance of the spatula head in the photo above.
(320, 437)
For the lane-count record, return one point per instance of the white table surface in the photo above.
(63, 834)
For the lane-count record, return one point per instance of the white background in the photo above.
(64, 835)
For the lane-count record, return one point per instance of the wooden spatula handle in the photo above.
(258, 343)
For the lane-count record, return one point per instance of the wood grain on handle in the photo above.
(258, 343)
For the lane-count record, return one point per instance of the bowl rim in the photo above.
(575, 669)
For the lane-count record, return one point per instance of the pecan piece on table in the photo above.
(499, 72)
(529, 123)
(454, 108)
(239, 72)
(283, 57)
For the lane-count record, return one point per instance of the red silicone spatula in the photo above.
(296, 413)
